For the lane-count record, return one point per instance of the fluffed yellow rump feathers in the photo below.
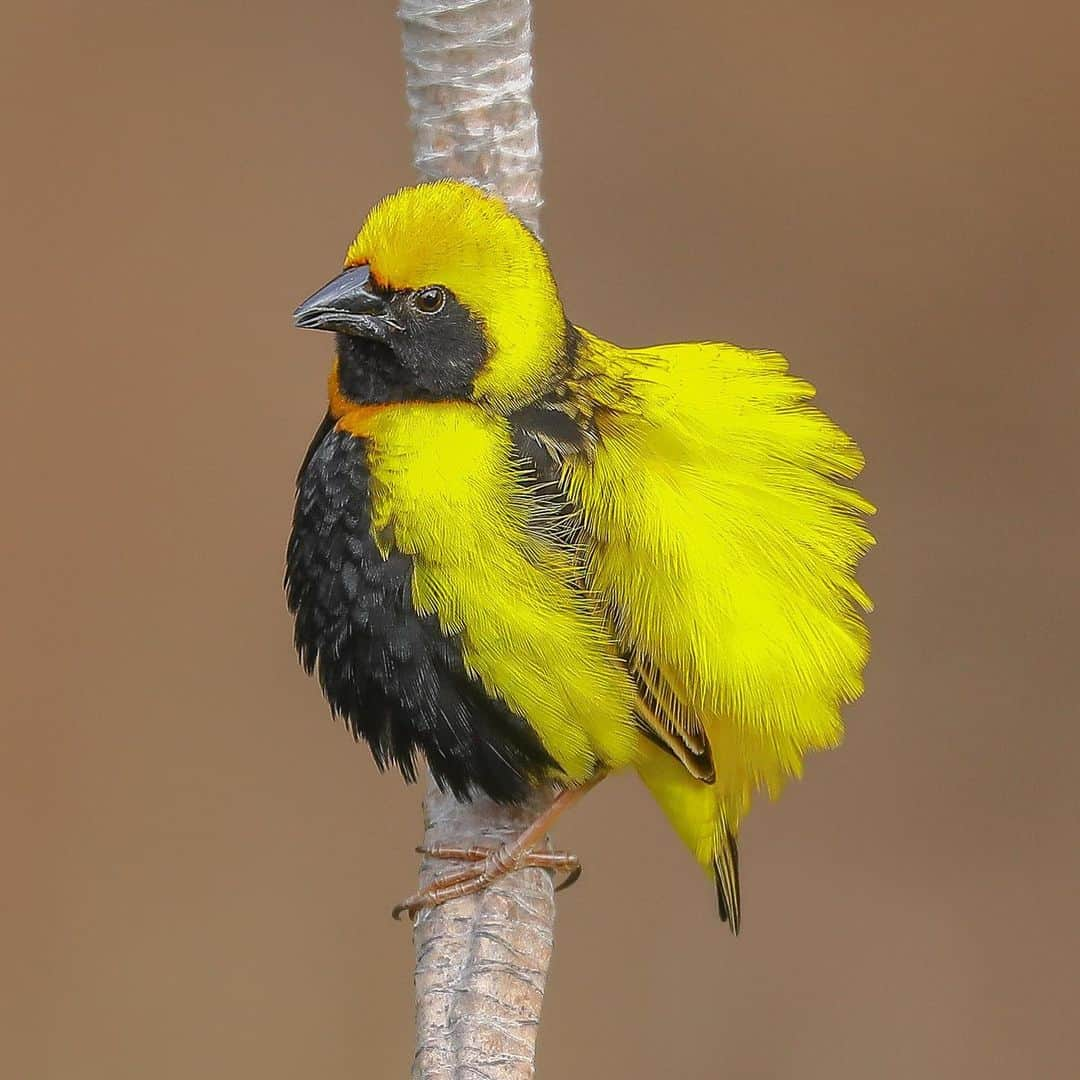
(724, 533)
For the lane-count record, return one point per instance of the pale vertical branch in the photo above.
(468, 66)
(481, 961)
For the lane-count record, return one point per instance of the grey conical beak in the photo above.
(347, 305)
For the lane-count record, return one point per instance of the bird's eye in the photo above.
(429, 300)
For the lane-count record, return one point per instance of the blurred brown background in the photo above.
(198, 865)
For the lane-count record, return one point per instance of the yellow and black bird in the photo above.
(533, 556)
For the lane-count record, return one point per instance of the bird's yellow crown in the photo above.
(455, 235)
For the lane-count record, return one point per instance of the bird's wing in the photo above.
(723, 534)
(666, 715)
(545, 436)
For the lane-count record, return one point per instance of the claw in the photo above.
(570, 878)
(494, 864)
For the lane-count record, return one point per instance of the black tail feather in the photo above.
(726, 871)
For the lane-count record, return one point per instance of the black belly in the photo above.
(394, 677)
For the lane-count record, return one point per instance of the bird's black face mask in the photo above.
(397, 345)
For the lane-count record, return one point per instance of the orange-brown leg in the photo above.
(494, 863)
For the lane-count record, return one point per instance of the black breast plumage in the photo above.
(395, 678)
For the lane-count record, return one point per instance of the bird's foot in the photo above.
(490, 864)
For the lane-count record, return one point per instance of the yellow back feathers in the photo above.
(452, 234)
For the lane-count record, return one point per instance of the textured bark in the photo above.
(481, 961)
(469, 86)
